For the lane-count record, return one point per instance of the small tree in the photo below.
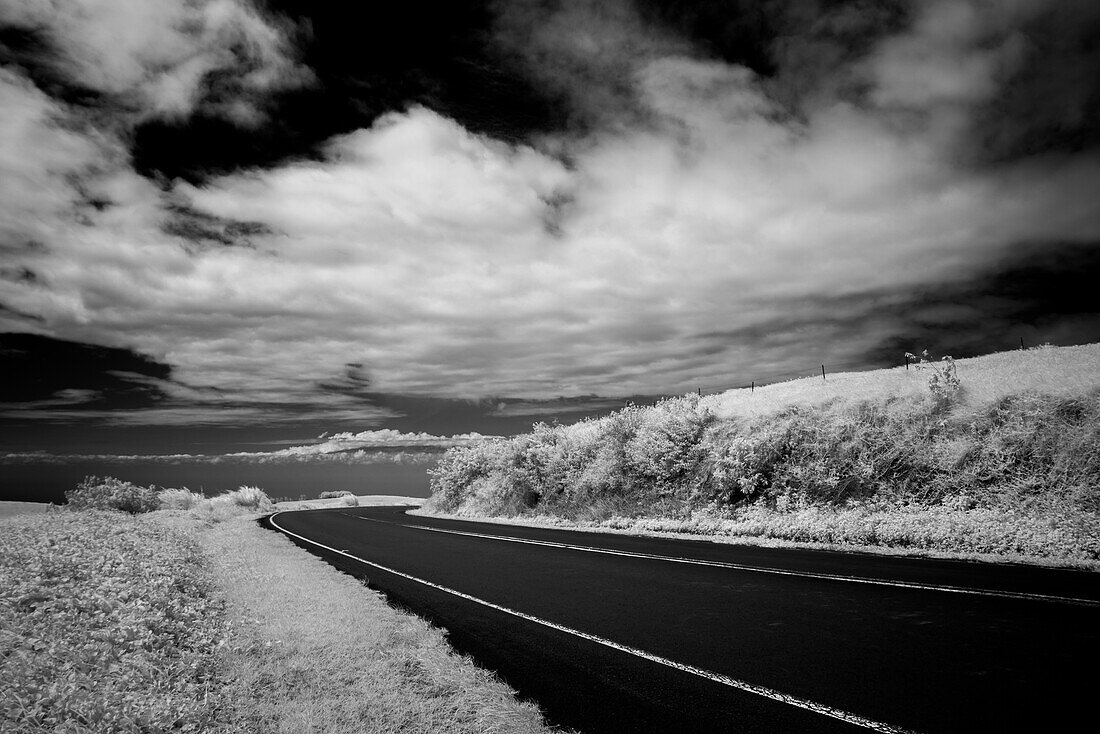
(944, 381)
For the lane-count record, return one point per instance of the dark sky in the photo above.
(235, 226)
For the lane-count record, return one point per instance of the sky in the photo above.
(232, 228)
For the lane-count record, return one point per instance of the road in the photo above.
(615, 633)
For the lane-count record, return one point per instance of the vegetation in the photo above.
(106, 624)
(317, 651)
(1009, 468)
(347, 499)
(194, 619)
(109, 493)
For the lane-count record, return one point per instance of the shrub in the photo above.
(666, 449)
(229, 504)
(350, 500)
(458, 470)
(108, 493)
(178, 499)
(943, 382)
(335, 495)
(253, 498)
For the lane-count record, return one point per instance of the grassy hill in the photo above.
(1005, 460)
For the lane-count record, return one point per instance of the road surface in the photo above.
(614, 633)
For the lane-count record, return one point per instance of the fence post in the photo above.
(1021, 342)
(753, 387)
(822, 372)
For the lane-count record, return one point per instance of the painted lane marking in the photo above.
(763, 691)
(756, 569)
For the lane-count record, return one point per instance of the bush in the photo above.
(179, 499)
(252, 498)
(1032, 454)
(943, 382)
(335, 495)
(350, 500)
(233, 503)
(108, 493)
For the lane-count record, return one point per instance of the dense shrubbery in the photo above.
(108, 493)
(1027, 453)
(332, 495)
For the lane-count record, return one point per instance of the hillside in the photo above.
(1006, 462)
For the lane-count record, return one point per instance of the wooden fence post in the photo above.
(822, 372)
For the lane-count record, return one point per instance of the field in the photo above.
(1002, 463)
(199, 620)
(11, 509)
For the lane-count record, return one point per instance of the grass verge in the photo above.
(201, 621)
(322, 653)
(931, 532)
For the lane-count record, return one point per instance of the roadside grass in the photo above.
(107, 623)
(197, 620)
(1008, 464)
(343, 501)
(1055, 371)
(937, 533)
(323, 653)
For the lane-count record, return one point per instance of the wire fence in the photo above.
(821, 370)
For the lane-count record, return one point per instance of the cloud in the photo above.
(163, 58)
(704, 221)
(586, 51)
(385, 446)
(585, 404)
(370, 442)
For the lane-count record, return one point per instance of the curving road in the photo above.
(614, 633)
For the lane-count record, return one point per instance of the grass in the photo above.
(1055, 371)
(107, 623)
(12, 508)
(322, 653)
(196, 619)
(1007, 465)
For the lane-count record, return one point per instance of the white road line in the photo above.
(758, 690)
(755, 569)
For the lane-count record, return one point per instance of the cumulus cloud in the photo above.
(386, 438)
(703, 225)
(165, 58)
(385, 446)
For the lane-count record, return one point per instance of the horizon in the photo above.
(249, 227)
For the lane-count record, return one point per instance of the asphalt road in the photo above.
(612, 633)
